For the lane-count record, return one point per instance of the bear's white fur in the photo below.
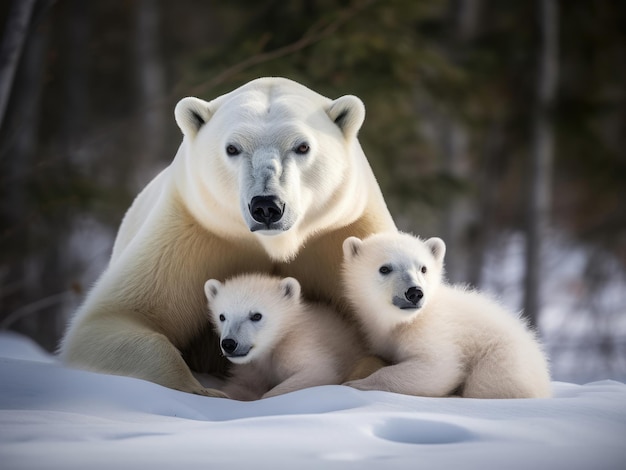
(439, 340)
(278, 342)
(272, 139)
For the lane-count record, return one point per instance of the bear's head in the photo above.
(272, 158)
(251, 313)
(393, 274)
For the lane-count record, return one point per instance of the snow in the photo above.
(54, 417)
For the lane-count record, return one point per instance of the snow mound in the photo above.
(54, 417)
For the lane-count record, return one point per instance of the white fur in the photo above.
(267, 123)
(145, 317)
(455, 341)
(288, 346)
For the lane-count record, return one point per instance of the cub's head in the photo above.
(251, 313)
(272, 159)
(392, 273)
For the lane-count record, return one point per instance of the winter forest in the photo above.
(499, 126)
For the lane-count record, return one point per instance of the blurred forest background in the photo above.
(499, 125)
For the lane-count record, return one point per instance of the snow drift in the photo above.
(57, 418)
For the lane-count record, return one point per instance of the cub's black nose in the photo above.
(266, 209)
(414, 295)
(229, 345)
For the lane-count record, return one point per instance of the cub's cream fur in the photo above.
(439, 340)
(272, 139)
(277, 342)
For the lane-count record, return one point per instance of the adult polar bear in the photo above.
(269, 178)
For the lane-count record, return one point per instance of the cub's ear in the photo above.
(348, 112)
(351, 247)
(211, 288)
(437, 247)
(290, 287)
(191, 114)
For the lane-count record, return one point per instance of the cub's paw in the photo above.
(210, 392)
(366, 367)
(358, 384)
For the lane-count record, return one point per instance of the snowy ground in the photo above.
(52, 417)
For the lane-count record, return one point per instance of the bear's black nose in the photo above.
(229, 345)
(266, 209)
(414, 295)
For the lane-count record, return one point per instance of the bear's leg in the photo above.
(120, 347)
(244, 385)
(366, 367)
(157, 360)
(418, 378)
(305, 379)
(503, 374)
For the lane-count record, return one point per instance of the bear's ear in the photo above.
(211, 288)
(351, 247)
(191, 114)
(290, 287)
(348, 112)
(437, 247)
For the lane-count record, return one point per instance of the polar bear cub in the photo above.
(277, 342)
(440, 340)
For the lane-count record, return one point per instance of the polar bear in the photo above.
(277, 342)
(269, 178)
(440, 340)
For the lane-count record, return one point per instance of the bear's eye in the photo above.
(232, 151)
(222, 317)
(256, 316)
(302, 149)
(385, 269)
(423, 270)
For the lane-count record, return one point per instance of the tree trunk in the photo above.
(458, 215)
(12, 45)
(151, 91)
(541, 158)
(77, 30)
(455, 149)
(21, 133)
(488, 173)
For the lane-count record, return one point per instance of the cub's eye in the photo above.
(232, 151)
(302, 149)
(423, 270)
(385, 269)
(256, 317)
(222, 317)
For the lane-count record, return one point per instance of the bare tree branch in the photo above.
(315, 34)
(32, 308)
